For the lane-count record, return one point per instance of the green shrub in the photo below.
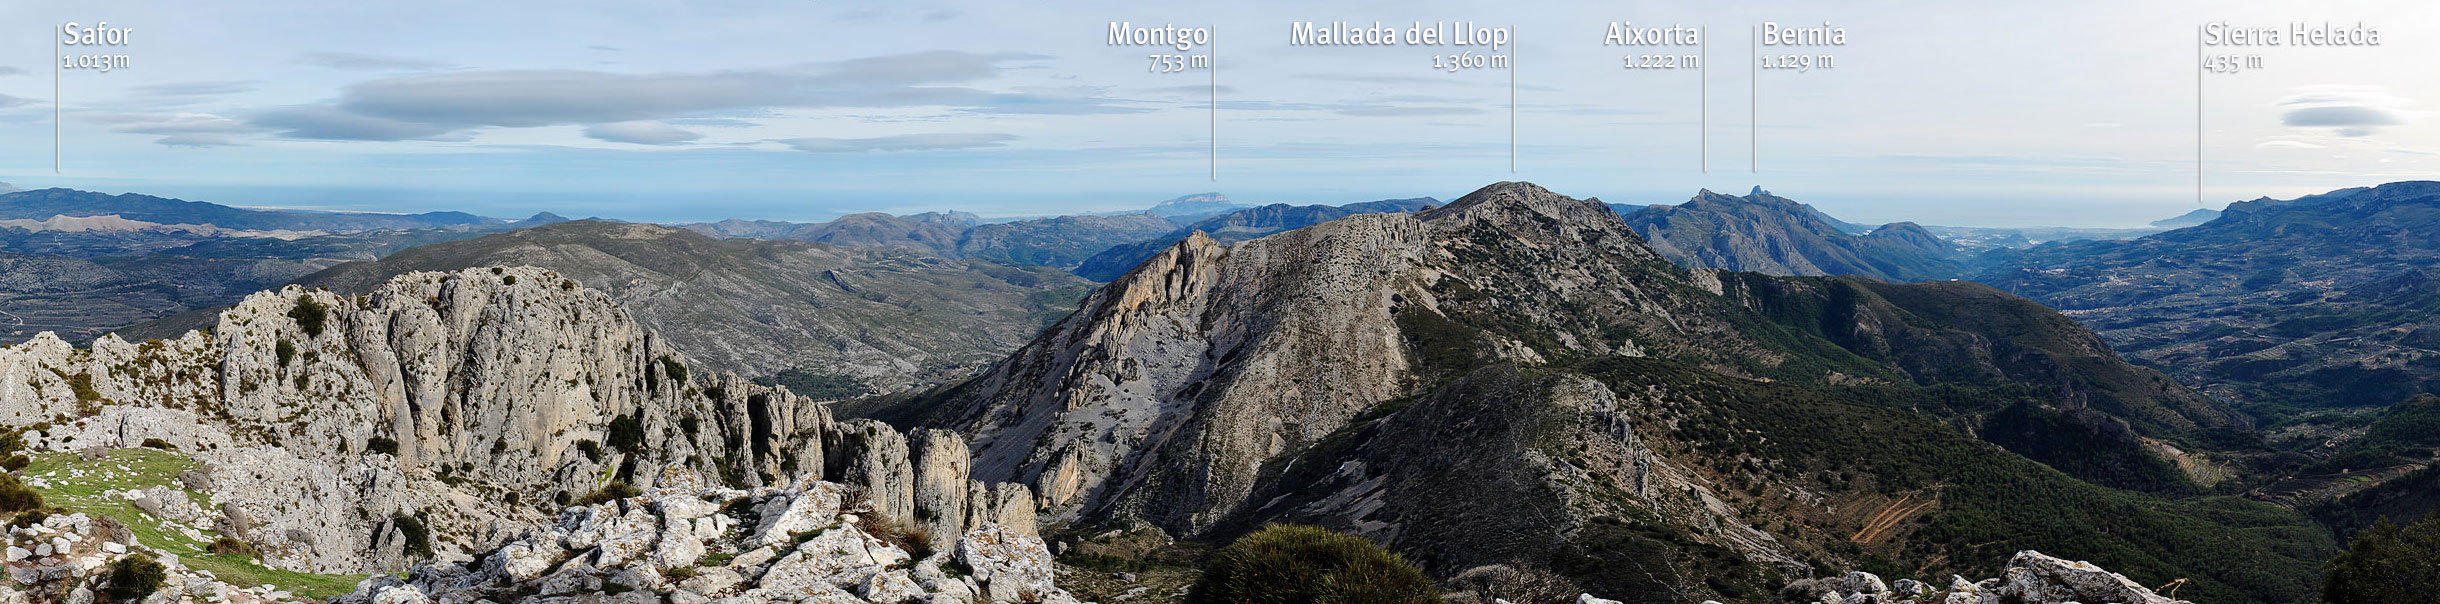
(627, 434)
(1286, 564)
(82, 385)
(16, 497)
(285, 351)
(592, 450)
(419, 539)
(675, 370)
(227, 545)
(16, 462)
(310, 314)
(381, 444)
(681, 573)
(2386, 564)
(155, 443)
(610, 492)
(29, 518)
(134, 577)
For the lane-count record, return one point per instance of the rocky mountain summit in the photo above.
(1517, 380)
(686, 543)
(1765, 233)
(1235, 225)
(442, 414)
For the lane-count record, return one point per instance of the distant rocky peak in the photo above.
(2411, 189)
(1181, 271)
(1194, 199)
(1901, 228)
(1199, 204)
(1508, 196)
(950, 218)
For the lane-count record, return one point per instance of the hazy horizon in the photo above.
(2083, 114)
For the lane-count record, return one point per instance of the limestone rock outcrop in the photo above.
(67, 558)
(802, 540)
(2030, 578)
(1173, 386)
(480, 399)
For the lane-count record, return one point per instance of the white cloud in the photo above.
(2349, 111)
(902, 142)
(641, 133)
(427, 105)
(364, 62)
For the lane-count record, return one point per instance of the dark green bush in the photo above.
(592, 450)
(16, 462)
(609, 492)
(675, 370)
(626, 434)
(155, 443)
(419, 539)
(285, 351)
(16, 497)
(1284, 564)
(381, 444)
(310, 314)
(29, 518)
(82, 385)
(228, 545)
(2387, 564)
(133, 577)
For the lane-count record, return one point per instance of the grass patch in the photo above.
(96, 493)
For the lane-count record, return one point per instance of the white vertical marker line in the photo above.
(1754, 105)
(2198, 115)
(1213, 49)
(1702, 75)
(55, 130)
(1512, 99)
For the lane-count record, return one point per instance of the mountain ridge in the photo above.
(1293, 377)
(1766, 233)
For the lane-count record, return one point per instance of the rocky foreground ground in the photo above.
(2030, 577)
(808, 541)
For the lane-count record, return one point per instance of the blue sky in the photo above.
(2074, 113)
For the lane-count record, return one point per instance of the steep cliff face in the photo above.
(474, 398)
(1166, 395)
(1509, 464)
(1516, 380)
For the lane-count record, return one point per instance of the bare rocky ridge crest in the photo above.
(1175, 389)
(473, 397)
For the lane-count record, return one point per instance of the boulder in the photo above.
(2030, 578)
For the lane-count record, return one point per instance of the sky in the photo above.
(1945, 113)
